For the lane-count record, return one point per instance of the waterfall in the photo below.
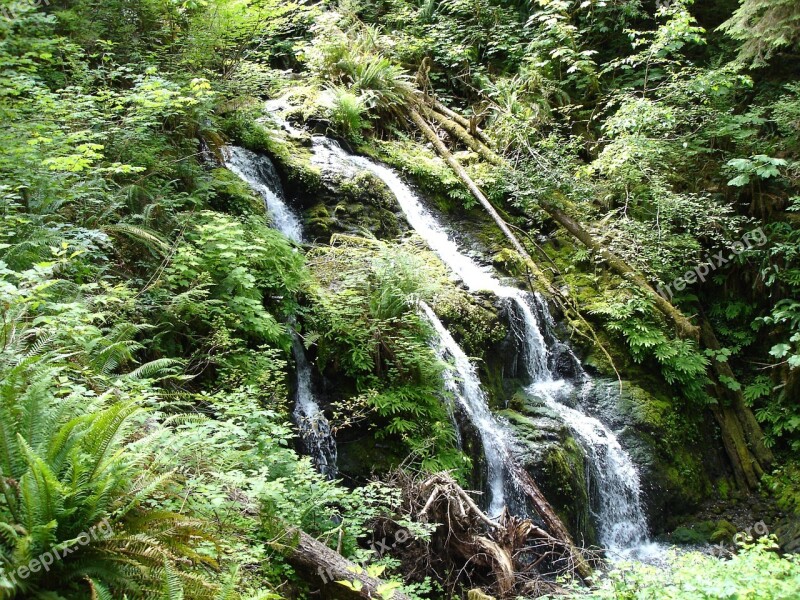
(618, 510)
(619, 513)
(617, 506)
(260, 174)
(315, 431)
(464, 384)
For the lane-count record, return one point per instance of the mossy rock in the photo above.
(689, 536)
(510, 262)
(362, 458)
(647, 410)
(703, 532)
(234, 196)
(319, 220)
(548, 451)
(723, 532)
(788, 533)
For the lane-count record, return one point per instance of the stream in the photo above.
(316, 438)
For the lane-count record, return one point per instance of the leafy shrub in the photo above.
(757, 572)
(226, 270)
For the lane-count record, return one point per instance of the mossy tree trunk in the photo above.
(462, 174)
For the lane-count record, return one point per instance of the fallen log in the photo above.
(458, 132)
(451, 114)
(329, 567)
(683, 326)
(448, 157)
(558, 532)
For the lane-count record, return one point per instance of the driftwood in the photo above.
(329, 567)
(506, 555)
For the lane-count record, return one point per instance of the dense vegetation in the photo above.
(148, 306)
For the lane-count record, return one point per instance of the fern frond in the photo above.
(160, 367)
(147, 237)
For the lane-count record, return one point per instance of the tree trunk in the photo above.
(736, 447)
(459, 170)
(461, 134)
(762, 456)
(329, 567)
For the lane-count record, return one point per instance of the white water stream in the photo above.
(259, 173)
(464, 384)
(315, 432)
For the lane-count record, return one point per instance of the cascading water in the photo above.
(315, 431)
(618, 511)
(620, 518)
(465, 386)
(259, 172)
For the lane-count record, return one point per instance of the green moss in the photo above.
(509, 261)
(474, 323)
(650, 411)
(723, 532)
(319, 220)
(704, 532)
(724, 489)
(364, 457)
(233, 196)
(695, 534)
(565, 486)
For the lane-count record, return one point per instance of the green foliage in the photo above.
(225, 269)
(756, 571)
(784, 485)
(143, 371)
(67, 468)
(366, 320)
(766, 28)
(351, 58)
(346, 113)
(680, 360)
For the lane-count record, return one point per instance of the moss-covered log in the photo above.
(329, 567)
(462, 174)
